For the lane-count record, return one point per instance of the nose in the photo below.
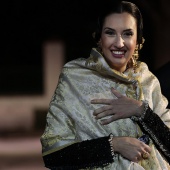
(119, 42)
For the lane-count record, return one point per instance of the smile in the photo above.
(118, 52)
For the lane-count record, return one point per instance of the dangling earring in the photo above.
(134, 58)
(135, 55)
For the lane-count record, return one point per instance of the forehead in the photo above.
(122, 20)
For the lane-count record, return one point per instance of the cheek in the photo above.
(105, 42)
(132, 45)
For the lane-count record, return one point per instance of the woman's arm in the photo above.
(90, 153)
(96, 153)
(152, 124)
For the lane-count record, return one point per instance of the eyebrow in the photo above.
(115, 30)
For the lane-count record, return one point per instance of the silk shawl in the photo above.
(70, 117)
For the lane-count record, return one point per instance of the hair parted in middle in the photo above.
(112, 6)
(117, 6)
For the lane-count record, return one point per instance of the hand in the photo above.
(120, 108)
(130, 148)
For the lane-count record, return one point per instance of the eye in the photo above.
(110, 32)
(128, 34)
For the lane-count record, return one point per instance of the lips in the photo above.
(118, 53)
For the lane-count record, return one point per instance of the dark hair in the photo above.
(120, 7)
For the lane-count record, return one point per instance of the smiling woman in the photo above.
(118, 40)
(107, 111)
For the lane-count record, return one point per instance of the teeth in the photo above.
(118, 52)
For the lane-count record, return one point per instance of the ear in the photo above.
(140, 45)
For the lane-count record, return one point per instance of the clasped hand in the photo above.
(120, 108)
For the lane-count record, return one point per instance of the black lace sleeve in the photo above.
(158, 132)
(90, 153)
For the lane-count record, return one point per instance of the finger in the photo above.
(145, 147)
(136, 159)
(104, 114)
(116, 93)
(109, 120)
(101, 109)
(101, 101)
(148, 149)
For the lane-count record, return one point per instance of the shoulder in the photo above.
(74, 67)
(146, 74)
(143, 66)
(77, 63)
(144, 69)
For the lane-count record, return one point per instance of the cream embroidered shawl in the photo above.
(70, 118)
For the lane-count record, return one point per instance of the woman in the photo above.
(108, 111)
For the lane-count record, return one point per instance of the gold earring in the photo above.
(135, 55)
(134, 58)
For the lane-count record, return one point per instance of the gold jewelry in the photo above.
(145, 155)
(135, 55)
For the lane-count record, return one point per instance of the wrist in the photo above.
(141, 112)
(114, 143)
(145, 108)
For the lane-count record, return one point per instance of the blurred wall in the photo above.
(22, 118)
(17, 113)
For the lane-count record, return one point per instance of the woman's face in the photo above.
(118, 39)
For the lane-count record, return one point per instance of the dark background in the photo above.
(27, 24)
